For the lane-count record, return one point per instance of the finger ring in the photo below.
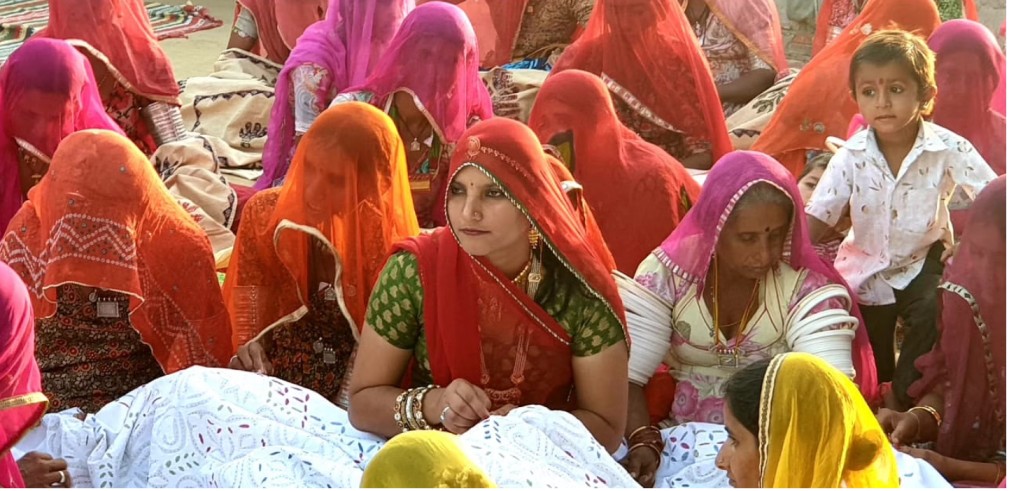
(444, 414)
(63, 477)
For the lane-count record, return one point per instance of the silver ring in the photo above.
(63, 477)
(444, 414)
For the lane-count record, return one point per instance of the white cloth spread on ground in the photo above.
(204, 427)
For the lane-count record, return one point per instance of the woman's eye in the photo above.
(495, 193)
(456, 190)
(869, 93)
(897, 90)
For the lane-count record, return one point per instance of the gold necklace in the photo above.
(522, 273)
(717, 310)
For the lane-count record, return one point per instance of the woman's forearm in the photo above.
(372, 410)
(981, 472)
(637, 408)
(609, 435)
(747, 86)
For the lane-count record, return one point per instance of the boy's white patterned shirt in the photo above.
(895, 220)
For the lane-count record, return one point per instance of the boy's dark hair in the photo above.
(908, 50)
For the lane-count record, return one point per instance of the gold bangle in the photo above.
(644, 428)
(930, 410)
(397, 411)
(416, 417)
(658, 453)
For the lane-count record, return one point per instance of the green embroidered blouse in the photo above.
(396, 312)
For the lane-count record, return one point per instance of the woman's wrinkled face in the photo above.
(753, 238)
(483, 218)
(808, 183)
(739, 456)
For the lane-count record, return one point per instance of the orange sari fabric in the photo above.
(102, 218)
(819, 103)
(637, 191)
(823, 22)
(347, 186)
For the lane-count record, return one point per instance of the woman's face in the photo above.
(484, 219)
(632, 17)
(752, 240)
(739, 456)
(808, 183)
(324, 187)
(957, 77)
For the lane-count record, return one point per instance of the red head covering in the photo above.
(471, 308)
(819, 103)
(688, 251)
(646, 48)
(968, 363)
(281, 22)
(497, 24)
(102, 218)
(963, 103)
(118, 32)
(757, 25)
(21, 401)
(347, 185)
(637, 192)
(47, 91)
(434, 56)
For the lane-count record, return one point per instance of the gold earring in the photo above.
(534, 238)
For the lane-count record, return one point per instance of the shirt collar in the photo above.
(927, 137)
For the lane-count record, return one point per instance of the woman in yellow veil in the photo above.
(797, 422)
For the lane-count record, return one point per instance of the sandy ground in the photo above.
(195, 55)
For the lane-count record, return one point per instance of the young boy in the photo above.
(895, 179)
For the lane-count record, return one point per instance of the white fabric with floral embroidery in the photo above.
(221, 428)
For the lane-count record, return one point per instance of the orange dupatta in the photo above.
(102, 218)
(819, 103)
(348, 187)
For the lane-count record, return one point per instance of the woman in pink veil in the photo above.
(742, 283)
(969, 66)
(961, 395)
(428, 81)
(332, 55)
(22, 403)
(47, 91)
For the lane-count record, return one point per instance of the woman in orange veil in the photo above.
(308, 253)
(122, 279)
(819, 103)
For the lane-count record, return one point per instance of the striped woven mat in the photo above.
(19, 19)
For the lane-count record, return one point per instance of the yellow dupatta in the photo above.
(816, 431)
